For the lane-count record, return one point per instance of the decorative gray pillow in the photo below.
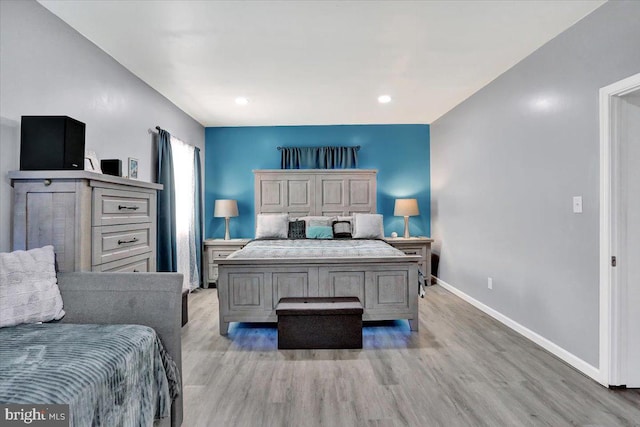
(28, 287)
(342, 229)
(322, 221)
(368, 226)
(297, 230)
(272, 226)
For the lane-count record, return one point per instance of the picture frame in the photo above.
(91, 162)
(133, 168)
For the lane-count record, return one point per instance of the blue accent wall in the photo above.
(400, 153)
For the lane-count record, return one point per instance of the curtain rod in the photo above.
(158, 128)
(357, 147)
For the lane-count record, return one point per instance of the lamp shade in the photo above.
(406, 207)
(225, 208)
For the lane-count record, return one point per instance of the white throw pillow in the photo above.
(28, 287)
(272, 226)
(367, 226)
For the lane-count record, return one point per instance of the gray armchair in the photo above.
(150, 299)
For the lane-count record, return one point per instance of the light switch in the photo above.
(577, 204)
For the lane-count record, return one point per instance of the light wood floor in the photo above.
(462, 369)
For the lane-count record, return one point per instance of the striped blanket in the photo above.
(110, 375)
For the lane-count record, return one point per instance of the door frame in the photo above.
(611, 340)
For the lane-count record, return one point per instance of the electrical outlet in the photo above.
(490, 283)
(577, 204)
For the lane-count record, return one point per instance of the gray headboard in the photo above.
(301, 192)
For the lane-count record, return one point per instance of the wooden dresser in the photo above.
(95, 222)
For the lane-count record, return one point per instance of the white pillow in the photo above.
(272, 226)
(367, 226)
(28, 287)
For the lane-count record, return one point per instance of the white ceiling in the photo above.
(318, 62)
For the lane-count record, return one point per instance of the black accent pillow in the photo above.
(297, 230)
(341, 229)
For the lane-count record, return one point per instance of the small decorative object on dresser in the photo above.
(225, 208)
(133, 168)
(91, 162)
(415, 246)
(216, 249)
(111, 167)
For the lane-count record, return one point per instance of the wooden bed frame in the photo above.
(249, 289)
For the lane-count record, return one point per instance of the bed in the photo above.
(384, 279)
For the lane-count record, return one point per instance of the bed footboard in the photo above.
(249, 290)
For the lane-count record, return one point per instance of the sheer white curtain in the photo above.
(184, 176)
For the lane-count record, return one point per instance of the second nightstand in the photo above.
(215, 249)
(415, 246)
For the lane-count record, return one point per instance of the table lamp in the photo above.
(225, 208)
(406, 208)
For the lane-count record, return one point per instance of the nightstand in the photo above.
(215, 249)
(415, 246)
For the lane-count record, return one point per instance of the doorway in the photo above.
(620, 233)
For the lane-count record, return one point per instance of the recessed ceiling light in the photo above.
(383, 99)
(241, 100)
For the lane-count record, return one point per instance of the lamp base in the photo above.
(226, 229)
(406, 227)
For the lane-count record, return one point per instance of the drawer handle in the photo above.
(121, 242)
(135, 270)
(132, 208)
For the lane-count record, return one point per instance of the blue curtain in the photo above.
(198, 211)
(167, 255)
(319, 157)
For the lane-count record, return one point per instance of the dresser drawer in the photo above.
(114, 242)
(215, 254)
(112, 207)
(217, 249)
(136, 264)
(416, 251)
(412, 251)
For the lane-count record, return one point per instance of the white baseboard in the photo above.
(551, 347)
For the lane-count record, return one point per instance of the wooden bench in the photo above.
(319, 323)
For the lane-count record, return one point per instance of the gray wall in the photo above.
(47, 68)
(505, 164)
